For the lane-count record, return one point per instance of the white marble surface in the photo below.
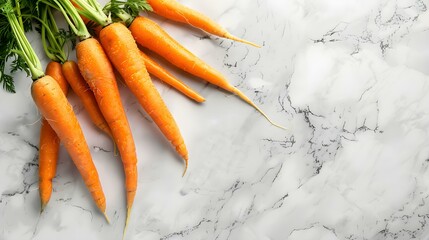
(349, 78)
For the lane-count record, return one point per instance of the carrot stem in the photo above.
(72, 17)
(92, 10)
(25, 49)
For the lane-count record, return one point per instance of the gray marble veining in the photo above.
(349, 79)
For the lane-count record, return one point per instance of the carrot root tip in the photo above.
(126, 222)
(247, 100)
(186, 168)
(42, 207)
(232, 37)
(201, 100)
(107, 218)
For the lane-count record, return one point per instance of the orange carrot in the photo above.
(155, 69)
(49, 144)
(127, 59)
(174, 10)
(82, 90)
(53, 105)
(150, 35)
(97, 71)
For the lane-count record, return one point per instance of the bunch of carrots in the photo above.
(108, 38)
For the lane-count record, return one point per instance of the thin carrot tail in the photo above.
(45, 194)
(183, 152)
(232, 37)
(247, 100)
(107, 218)
(42, 207)
(186, 167)
(126, 222)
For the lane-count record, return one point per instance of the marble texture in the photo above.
(348, 78)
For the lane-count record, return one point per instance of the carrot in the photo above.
(174, 10)
(126, 57)
(82, 90)
(124, 54)
(49, 142)
(48, 154)
(53, 44)
(150, 35)
(51, 101)
(97, 71)
(155, 69)
(53, 105)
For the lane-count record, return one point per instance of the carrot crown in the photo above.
(22, 47)
(126, 11)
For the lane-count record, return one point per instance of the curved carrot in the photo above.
(150, 35)
(155, 69)
(97, 71)
(122, 50)
(49, 143)
(53, 105)
(174, 10)
(82, 90)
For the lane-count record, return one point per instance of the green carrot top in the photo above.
(54, 39)
(71, 15)
(15, 44)
(126, 11)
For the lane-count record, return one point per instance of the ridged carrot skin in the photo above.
(97, 71)
(53, 105)
(155, 69)
(49, 143)
(124, 54)
(174, 10)
(82, 90)
(150, 35)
